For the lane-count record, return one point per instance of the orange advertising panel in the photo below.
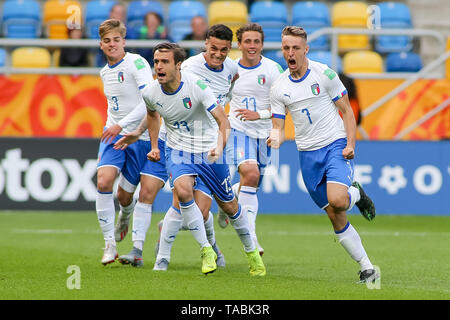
(74, 106)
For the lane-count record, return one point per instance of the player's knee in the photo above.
(251, 179)
(147, 195)
(185, 194)
(104, 184)
(338, 202)
(124, 197)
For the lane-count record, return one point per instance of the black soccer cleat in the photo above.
(367, 276)
(365, 204)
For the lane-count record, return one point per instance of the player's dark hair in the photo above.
(220, 31)
(249, 27)
(178, 53)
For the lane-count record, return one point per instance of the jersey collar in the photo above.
(172, 93)
(302, 78)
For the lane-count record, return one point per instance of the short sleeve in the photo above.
(142, 72)
(332, 84)
(276, 104)
(147, 96)
(205, 95)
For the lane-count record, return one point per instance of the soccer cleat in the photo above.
(365, 204)
(109, 254)
(220, 258)
(369, 275)
(256, 264)
(208, 260)
(121, 228)
(160, 225)
(161, 265)
(134, 258)
(222, 218)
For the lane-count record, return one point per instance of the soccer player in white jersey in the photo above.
(193, 147)
(250, 120)
(314, 95)
(124, 76)
(219, 72)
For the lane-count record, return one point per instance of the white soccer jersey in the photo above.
(185, 113)
(122, 85)
(218, 80)
(252, 91)
(310, 101)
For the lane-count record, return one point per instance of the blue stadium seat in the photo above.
(277, 56)
(394, 15)
(2, 57)
(312, 15)
(136, 13)
(272, 16)
(97, 11)
(325, 58)
(21, 19)
(403, 62)
(180, 15)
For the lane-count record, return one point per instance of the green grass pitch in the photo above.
(302, 257)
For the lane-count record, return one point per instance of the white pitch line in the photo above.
(42, 231)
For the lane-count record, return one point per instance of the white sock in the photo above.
(249, 200)
(239, 221)
(106, 213)
(354, 196)
(125, 212)
(350, 240)
(209, 229)
(171, 226)
(194, 220)
(142, 217)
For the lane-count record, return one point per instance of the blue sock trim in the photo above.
(237, 214)
(247, 192)
(345, 228)
(187, 204)
(177, 210)
(104, 192)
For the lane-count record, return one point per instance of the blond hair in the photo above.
(294, 31)
(111, 25)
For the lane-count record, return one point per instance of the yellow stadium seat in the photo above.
(31, 57)
(233, 14)
(351, 14)
(362, 62)
(235, 54)
(59, 15)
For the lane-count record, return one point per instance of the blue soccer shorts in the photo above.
(325, 165)
(215, 176)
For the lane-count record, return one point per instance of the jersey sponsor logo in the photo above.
(280, 69)
(120, 77)
(139, 64)
(261, 79)
(187, 103)
(315, 89)
(201, 84)
(330, 73)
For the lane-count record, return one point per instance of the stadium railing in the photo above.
(332, 32)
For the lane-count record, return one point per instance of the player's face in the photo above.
(165, 67)
(251, 45)
(113, 46)
(216, 51)
(294, 51)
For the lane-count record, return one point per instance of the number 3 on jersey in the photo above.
(181, 123)
(307, 114)
(116, 103)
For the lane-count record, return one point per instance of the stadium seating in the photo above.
(180, 15)
(362, 62)
(394, 15)
(58, 14)
(403, 62)
(277, 56)
(2, 57)
(235, 54)
(230, 13)
(325, 58)
(136, 14)
(97, 11)
(21, 19)
(272, 16)
(312, 15)
(350, 14)
(30, 57)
